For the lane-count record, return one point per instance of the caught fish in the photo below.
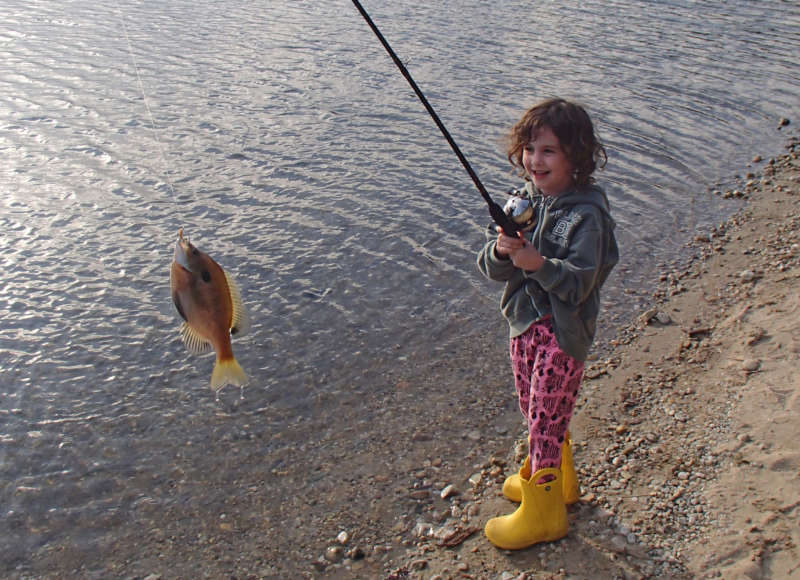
(208, 300)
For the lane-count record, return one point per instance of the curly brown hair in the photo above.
(571, 124)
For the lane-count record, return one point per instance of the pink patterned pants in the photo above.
(547, 381)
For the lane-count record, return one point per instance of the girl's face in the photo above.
(547, 163)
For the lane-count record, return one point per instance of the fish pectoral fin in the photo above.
(240, 321)
(194, 342)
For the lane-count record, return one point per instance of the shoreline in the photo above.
(685, 434)
(684, 445)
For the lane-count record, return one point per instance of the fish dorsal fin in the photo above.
(194, 342)
(240, 322)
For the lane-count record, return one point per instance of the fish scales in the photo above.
(209, 301)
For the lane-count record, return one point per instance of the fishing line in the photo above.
(153, 128)
(226, 371)
(497, 213)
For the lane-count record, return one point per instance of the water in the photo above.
(290, 148)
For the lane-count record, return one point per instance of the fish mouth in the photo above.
(182, 249)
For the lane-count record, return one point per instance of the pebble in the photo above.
(751, 365)
(619, 544)
(446, 531)
(419, 564)
(473, 435)
(334, 554)
(748, 276)
(663, 317)
(422, 529)
(356, 554)
(449, 491)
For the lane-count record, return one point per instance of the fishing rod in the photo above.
(498, 215)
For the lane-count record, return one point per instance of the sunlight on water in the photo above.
(286, 141)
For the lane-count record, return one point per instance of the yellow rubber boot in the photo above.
(541, 517)
(511, 487)
(569, 477)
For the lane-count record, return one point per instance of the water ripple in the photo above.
(287, 145)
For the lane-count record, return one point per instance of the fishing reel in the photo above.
(520, 210)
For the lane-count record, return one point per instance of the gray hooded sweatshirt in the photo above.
(575, 235)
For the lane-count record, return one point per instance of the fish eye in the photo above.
(206, 275)
(195, 251)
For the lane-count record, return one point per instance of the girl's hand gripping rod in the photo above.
(498, 215)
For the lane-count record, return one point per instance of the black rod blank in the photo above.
(497, 213)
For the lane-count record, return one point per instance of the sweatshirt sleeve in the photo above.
(572, 278)
(490, 264)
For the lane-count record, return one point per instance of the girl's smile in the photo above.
(546, 163)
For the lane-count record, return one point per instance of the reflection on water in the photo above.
(289, 147)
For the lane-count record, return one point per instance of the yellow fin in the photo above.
(240, 323)
(194, 342)
(228, 372)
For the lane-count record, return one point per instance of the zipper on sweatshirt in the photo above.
(544, 206)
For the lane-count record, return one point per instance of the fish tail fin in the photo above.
(228, 372)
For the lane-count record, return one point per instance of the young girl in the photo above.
(553, 273)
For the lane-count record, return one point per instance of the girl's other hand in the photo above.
(521, 252)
